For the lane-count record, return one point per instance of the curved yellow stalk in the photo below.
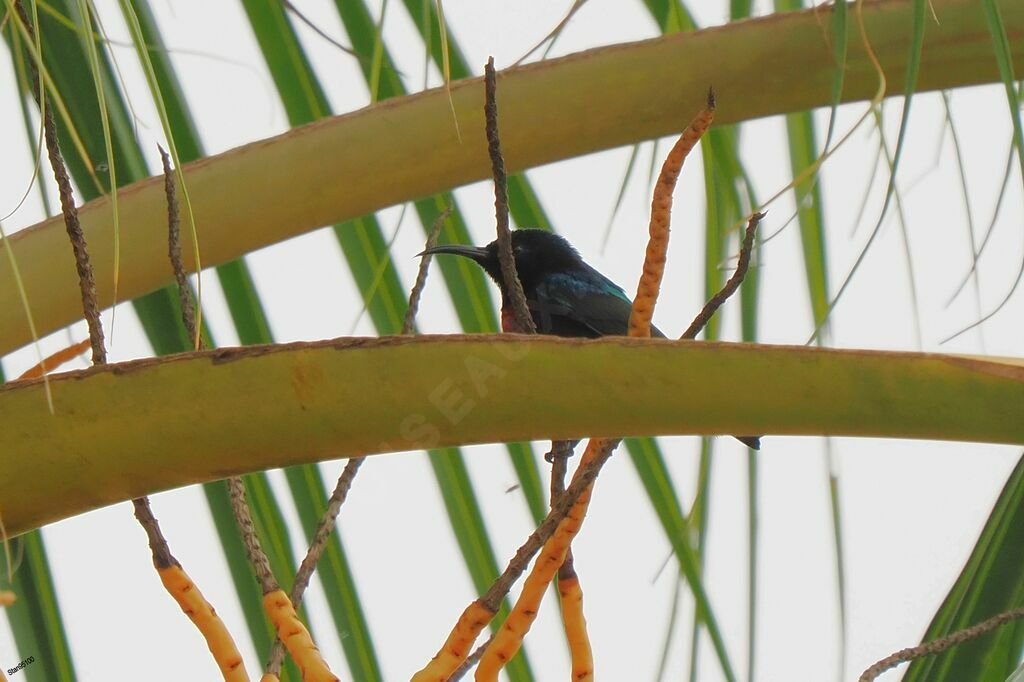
(261, 407)
(549, 116)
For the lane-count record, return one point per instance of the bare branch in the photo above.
(520, 309)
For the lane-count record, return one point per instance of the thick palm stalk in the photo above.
(260, 407)
(556, 109)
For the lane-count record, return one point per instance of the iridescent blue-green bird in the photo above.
(566, 297)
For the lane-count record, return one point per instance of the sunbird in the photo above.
(566, 297)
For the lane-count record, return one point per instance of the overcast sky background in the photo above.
(911, 510)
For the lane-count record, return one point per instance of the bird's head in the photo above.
(537, 253)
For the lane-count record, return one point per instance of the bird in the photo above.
(566, 296)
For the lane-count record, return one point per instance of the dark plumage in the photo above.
(566, 297)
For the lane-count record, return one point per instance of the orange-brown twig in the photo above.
(661, 214)
(195, 606)
(296, 638)
(510, 637)
(52, 362)
(7, 597)
(181, 588)
(480, 612)
(578, 641)
(171, 574)
(235, 486)
(508, 640)
(456, 648)
(570, 592)
(316, 549)
(570, 595)
(327, 521)
(276, 602)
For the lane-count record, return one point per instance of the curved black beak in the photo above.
(476, 253)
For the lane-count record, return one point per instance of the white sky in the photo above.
(911, 510)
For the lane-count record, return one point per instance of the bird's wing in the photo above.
(596, 305)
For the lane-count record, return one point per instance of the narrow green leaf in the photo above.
(35, 618)
(626, 177)
(992, 581)
(839, 38)
(158, 312)
(1004, 59)
(723, 175)
(525, 209)
(719, 214)
(901, 221)
(362, 241)
(672, 16)
(699, 519)
(803, 153)
(968, 211)
(33, 131)
(749, 296)
(913, 67)
(670, 630)
(475, 311)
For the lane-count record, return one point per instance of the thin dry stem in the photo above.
(511, 635)
(661, 217)
(520, 310)
(258, 559)
(559, 459)
(188, 306)
(939, 645)
(319, 31)
(716, 301)
(236, 487)
(409, 325)
(327, 522)
(325, 528)
(581, 482)
(162, 557)
(470, 661)
(316, 550)
(86, 279)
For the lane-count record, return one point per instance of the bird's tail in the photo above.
(753, 442)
